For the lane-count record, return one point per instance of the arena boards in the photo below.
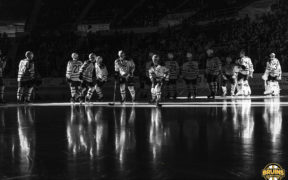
(199, 102)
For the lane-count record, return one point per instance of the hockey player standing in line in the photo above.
(124, 72)
(72, 76)
(2, 68)
(158, 75)
(229, 76)
(173, 67)
(213, 71)
(272, 75)
(26, 78)
(190, 72)
(245, 71)
(148, 65)
(101, 76)
(86, 75)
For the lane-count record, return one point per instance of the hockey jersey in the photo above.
(101, 72)
(246, 66)
(72, 71)
(87, 71)
(26, 71)
(229, 69)
(148, 66)
(159, 73)
(213, 66)
(2, 67)
(124, 67)
(173, 67)
(273, 68)
(190, 70)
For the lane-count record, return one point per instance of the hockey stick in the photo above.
(114, 96)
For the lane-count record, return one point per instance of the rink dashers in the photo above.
(223, 139)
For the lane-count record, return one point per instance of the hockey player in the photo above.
(213, 71)
(190, 72)
(86, 75)
(101, 76)
(26, 77)
(272, 75)
(158, 75)
(72, 76)
(147, 82)
(174, 70)
(2, 68)
(229, 76)
(246, 70)
(124, 72)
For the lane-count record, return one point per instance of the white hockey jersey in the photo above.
(72, 71)
(101, 72)
(124, 67)
(273, 68)
(213, 66)
(159, 73)
(190, 70)
(246, 66)
(173, 67)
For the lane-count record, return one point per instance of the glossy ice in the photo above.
(233, 140)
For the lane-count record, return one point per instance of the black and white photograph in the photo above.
(143, 89)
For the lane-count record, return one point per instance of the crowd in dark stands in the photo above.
(267, 33)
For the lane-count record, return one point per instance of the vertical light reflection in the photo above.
(157, 132)
(124, 133)
(26, 133)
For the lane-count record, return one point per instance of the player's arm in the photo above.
(132, 64)
(105, 74)
(116, 69)
(68, 70)
(251, 68)
(280, 71)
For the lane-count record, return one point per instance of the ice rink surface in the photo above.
(226, 138)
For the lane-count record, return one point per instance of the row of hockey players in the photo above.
(86, 78)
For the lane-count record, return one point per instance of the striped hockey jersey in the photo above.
(72, 71)
(2, 67)
(26, 71)
(101, 72)
(173, 67)
(87, 71)
(124, 67)
(159, 73)
(190, 70)
(213, 66)
(273, 68)
(246, 66)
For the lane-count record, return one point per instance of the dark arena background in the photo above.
(188, 112)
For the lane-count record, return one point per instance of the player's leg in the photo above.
(131, 88)
(153, 93)
(240, 84)
(194, 87)
(158, 88)
(224, 86)
(233, 82)
(246, 86)
(30, 88)
(90, 92)
(20, 91)
(98, 89)
(188, 88)
(72, 91)
(122, 83)
(2, 88)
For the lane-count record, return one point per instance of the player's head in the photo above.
(74, 56)
(228, 60)
(99, 59)
(170, 56)
(272, 56)
(155, 59)
(189, 56)
(92, 57)
(29, 55)
(242, 53)
(210, 52)
(121, 54)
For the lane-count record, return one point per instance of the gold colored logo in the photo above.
(273, 171)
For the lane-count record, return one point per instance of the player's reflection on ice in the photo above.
(86, 131)
(272, 117)
(124, 132)
(157, 133)
(19, 146)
